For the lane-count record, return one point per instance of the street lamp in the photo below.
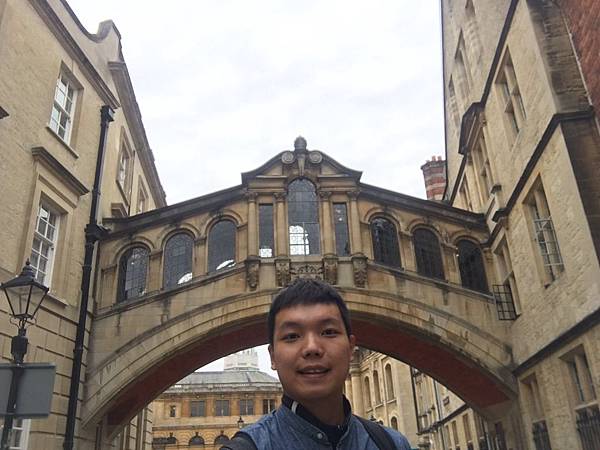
(240, 423)
(25, 296)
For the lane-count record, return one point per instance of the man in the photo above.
(311, 345)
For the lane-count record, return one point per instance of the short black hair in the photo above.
(307, 291)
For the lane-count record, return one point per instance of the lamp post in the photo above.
(25, 296)
(240, 423)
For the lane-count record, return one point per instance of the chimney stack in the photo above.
(434, 173)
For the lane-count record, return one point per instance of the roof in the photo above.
(226, 380)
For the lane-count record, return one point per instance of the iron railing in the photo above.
(541, 439)
(504, 302)
(588, 427)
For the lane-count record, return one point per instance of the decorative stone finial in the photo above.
(300, 143)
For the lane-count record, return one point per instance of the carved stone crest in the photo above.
(359, 266)
(330, 269)
(307, 271)
(252, 272)
(282, 271)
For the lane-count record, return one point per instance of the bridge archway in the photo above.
(466, 358)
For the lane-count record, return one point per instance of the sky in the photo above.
(225, 85)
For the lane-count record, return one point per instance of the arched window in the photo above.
(368, 393)
(221, 439)
(376, 387)
(470, 263)
(394, 423)
(221, 245)
(178, 260)
(303, 218)
(385, 242)
(133, 268)
(427, 253)
(389, 382)
(196, 440)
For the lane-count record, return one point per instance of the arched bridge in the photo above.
(186, 284)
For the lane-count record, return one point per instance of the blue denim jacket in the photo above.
(285, 430)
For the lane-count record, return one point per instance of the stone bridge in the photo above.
(183, 285)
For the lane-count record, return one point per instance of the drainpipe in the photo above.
(93, 232)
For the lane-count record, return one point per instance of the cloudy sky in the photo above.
(225, 85)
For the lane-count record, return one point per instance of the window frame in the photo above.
(211, 242)
(122, 273)
(222, 407)
(59, 108)
(384, 241)
(44, 240)
(427, 266)
(168, 274)
(483, 286)
(304, 235)
(198, 407)
(509, 97)
(266, 231)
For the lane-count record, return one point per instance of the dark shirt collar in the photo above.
(333, 432)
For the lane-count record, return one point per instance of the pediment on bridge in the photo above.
(300, 162)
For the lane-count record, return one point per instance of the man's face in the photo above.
(311, 353)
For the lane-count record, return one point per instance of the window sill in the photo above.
(123, 194)
(52, 297)
(62, 142)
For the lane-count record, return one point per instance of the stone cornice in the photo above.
(43, 156)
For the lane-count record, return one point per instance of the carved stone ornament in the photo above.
(287, 157)
(314, 271)
(359, 266)
(252, 272)
(330, 269)
(282, 269)
(315, 157)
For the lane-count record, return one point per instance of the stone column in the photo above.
(327, 223)
(357, 392)
(355, 237)
(155, 279)
(200, 257)
(281, 248)
(252, 224)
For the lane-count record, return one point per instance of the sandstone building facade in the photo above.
(55, 78)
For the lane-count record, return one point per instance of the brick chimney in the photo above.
(434, 172)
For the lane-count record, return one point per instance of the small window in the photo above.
(510, 96)
(265, 231)
(221, 246)
(544, 235)
(196, 440)
(63, 108)
(428, 254)
(246, 407)
(133, 270)
(142, 199)
(376, 387)
(178, 260)
(505, 294)
(368, 393)
(124, 170)
(303, 218)
(222, 408)
(455, 435)
(385, 242)
(389, 382)
(172, 411)
(268, 405)
(19, 439)
(221, 439)
(470, 264)
(43, 248)
(394, 423)
(342, 237)
(197, 408)
(582, 382)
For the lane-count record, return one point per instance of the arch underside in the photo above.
(473, 379)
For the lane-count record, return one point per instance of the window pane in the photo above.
(470, 262)
(303, 218)
(178, 260)
(132, 273)
(385, 242)
(265, 230)
(198, 408)
(428, 254)
(221, 245)
(222, 408)
(340, 218)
